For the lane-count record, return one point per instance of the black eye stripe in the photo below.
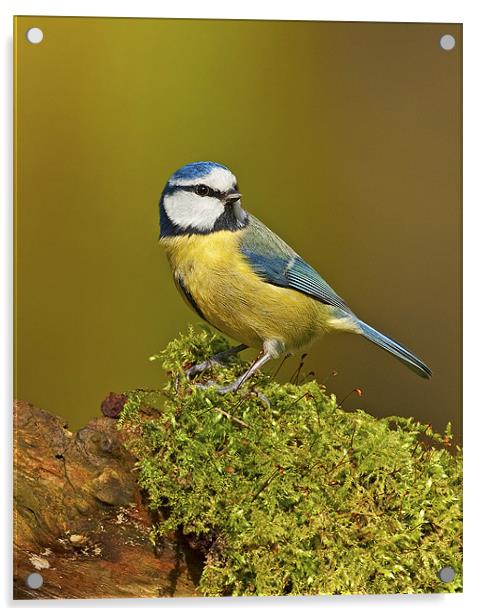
(211, 192)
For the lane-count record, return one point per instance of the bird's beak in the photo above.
(232, 198)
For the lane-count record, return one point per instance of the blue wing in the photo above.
(278, 264)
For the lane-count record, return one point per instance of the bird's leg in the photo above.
(219, 358)
(235, 385)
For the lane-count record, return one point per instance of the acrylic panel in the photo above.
(140, 469)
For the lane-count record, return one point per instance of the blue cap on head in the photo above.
(193, 171)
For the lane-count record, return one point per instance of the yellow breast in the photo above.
(234, 299)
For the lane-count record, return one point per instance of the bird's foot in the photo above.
(218, 359)
(233, 388)
(220, 389)
(227, 389)
(263, 398)
(235, 385)
(206, 385)
(193, 371)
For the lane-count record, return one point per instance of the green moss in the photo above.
(296, 496)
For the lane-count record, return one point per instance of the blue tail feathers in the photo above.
(395, 348)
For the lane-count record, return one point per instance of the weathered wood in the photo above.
(79, 517)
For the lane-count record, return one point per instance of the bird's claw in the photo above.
(226, 389)
(193, 371)
(231, 388)
(205, 385)
(263, 398)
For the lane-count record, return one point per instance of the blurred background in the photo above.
(345, 139)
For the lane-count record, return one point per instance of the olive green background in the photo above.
(345, 138)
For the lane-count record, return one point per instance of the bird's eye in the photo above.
(202, 190)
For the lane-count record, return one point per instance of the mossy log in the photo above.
(289, 493)
(79, 516)
(273, 490)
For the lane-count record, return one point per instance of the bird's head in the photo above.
(201, 198)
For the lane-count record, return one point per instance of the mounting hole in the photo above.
(446, 574)
(35, 580)
(447, 42)
(34, 35)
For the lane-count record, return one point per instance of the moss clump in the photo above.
(295, 495)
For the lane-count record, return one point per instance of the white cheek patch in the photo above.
(186, 209)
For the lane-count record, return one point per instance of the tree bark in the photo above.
(80, 520)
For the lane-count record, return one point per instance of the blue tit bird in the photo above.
(244, 280)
